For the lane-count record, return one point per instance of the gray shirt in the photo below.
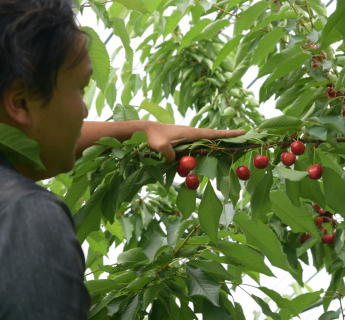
(41, 261)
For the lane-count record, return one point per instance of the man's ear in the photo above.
(16, 103)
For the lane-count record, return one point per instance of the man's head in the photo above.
(44, 66)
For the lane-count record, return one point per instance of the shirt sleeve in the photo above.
(42, 263)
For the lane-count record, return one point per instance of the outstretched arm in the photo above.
(161, 137)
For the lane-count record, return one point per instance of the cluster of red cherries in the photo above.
(186, 165)
(288, 159)
(324, 216)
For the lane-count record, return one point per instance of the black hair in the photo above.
(35, 38)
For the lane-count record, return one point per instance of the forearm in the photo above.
(92, 131)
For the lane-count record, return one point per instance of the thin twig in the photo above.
(185, 240)
(235, 15)
(311, 21)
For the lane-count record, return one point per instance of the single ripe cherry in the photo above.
(188, 163)
(192, 182)
(332, 94)
(182, 171)
(319, 221)
(243, 172)
(261, 162)
(315, 171)
(322, 212)
(297, 148)
(288, 158)
(316, 207)
(304, 238)
(329, 239)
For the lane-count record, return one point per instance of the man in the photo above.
(44, 68)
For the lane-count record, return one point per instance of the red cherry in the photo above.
(304, 238)
(315, 171)
(329, 239)
(297, 148)
(288, 158)
(182, 171)
(192, 182)
(332, 94)
(188, 163)
(319, 221)
(321, 211)
(243, 172)
(261, 162)
(316, 207)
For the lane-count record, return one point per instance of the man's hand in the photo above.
(163, 137)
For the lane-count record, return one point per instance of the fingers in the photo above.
(167, 152)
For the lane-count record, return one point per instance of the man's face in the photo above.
(57, 127)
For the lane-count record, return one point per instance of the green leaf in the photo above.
(109, 141)
(151, 293)
(333, 20)
(76, 191)
(288, 97)
(211, 312)
(293, 175)
(172, 22)
(125, 113)
(121, 32)
(298, 219)
(240, 70)
(186, 201)
(304, 102)
(249, 16)
(100, 59)
(265, 308)
(110, 95)
(330, 315)
(293, 191)
(158, 112)
(341, 80)
(16, 147)
(208, 167)
(131, 309)
(280, 58)
(267, 44)
(260, 201)
(106, 285)
(153, 244)
(334, 123)
(225, 51)
(282, 303)
(193, 32)
(235, 188)
(334, 188)
(98, 242)
(244, 255)
(288, 65)
(212, 267)
(281, 122)
(260, 236)
(201, 284)
(212, 29)
(126, 95)
(127, 228)
(135, 5)
(209, 212)
(183, 226)
(115, 229)
(137, 284)
(132, 257)
(137, 137)
(227, 215)
(303, 301)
